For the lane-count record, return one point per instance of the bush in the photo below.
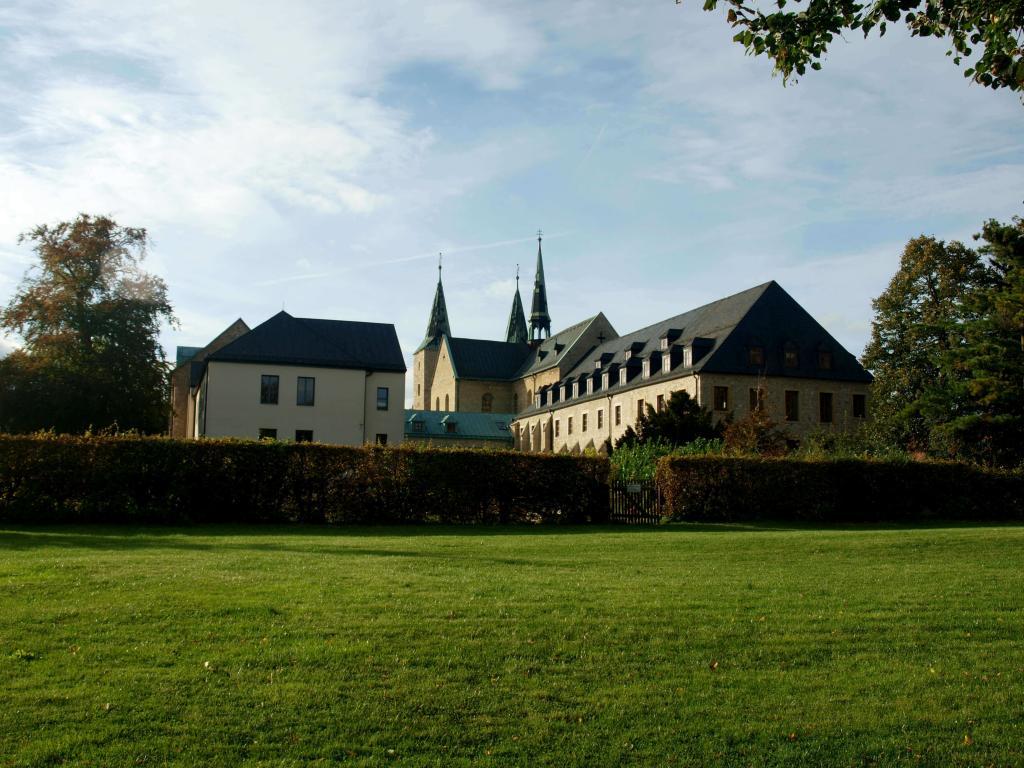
(47, 479)
(722, 489)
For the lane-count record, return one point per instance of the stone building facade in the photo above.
(584, 386)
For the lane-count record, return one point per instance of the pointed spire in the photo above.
(438, 322)
(516, 332)
(540, 321)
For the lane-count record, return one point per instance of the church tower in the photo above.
(540, 321)
(516, 333)
(425, 357)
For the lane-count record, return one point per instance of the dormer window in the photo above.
(565, 391)
(755, 356)
(647, 368)
(791, 355)
(622, 375)
(537, 400)
(666, 363)
(590, 385)
(664, 343)
(687, 356)
(825, 359)
(575, 389)
(605, 380)
(628, 354)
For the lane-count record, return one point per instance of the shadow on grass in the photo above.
(268, 538)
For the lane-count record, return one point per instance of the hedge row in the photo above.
(155, 480)
(722, 489)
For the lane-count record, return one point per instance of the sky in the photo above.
(317, 157)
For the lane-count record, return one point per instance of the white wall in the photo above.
(344, 399)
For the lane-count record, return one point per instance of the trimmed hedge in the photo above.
(134, 480)
(718, 489)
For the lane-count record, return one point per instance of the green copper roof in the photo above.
(517, 333)
(539, 317)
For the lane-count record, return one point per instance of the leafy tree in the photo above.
(755, 433)
(682, 421)
(919, 322)
(799, 37)
(90, 320)
(991, 425)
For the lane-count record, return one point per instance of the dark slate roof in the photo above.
(468, 426)
(764, 316)
(485, 359)
(288, 340)
(555, 349)
(437, 323)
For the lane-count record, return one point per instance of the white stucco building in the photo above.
(304, 379)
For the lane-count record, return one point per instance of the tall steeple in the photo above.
(516, 332)
(540, 321)
(438, 322)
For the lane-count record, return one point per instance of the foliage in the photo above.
(637, 461)
(843, 490)
(919, 320)
(799, 38)
(866, 442)
(63, 479)
(754, 434)
(90, 320)
(681, 421)
(543, 646)
(990, 425)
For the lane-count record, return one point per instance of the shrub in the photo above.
(48, 479)
(725, 489)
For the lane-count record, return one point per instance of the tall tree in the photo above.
(991, 425)
(798, 37)
(919, 322)
(90, 320)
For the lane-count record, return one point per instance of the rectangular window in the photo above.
(584, 422)
(268, 389)
(382, 438)
(303, 435)
(755, 356)
(687, 356)
(450, 427)
(756, 399)
(568, 426)
(557, 426)
(417, 426)
(639, 408)
(825, 407)
(661, 402)
(306, 390)
(600, 419)
(792, 405)
(721, 398)
(860, 406)
(268, 434)
(825, 359)
(792, 357)
(382, 398)
(618, 415)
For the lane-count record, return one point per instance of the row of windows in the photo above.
(305, 391)
(790, 357)
(306, 435)
(720, 401)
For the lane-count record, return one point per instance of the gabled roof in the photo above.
(468, 426)
(288, 340)
(764, 316)
(555, 349)
(485, 359)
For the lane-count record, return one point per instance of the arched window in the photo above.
(446, 402)
(529, 397)
(486, 402)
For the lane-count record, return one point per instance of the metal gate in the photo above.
(635, 503)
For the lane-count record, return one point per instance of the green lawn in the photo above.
(512, 646)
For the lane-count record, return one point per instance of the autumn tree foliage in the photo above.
(89, 319)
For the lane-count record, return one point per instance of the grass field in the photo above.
(524, 646)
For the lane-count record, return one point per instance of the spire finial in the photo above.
(540, 234)
(517, 277)
(440, 256)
